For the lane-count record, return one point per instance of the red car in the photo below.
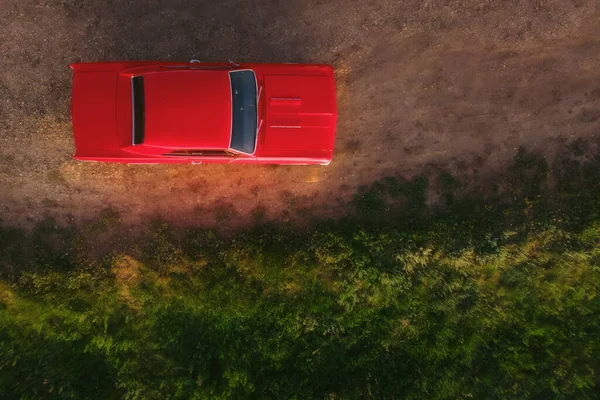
(173, 112)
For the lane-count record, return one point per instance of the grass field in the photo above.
(493, 298)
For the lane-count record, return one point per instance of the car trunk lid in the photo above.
(93, 110)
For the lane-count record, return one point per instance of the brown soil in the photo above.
(458, 85)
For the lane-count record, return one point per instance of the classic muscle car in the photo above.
(195, 112)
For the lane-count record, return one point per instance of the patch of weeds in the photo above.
(107, 219)
(414, 191)
(370, 200)
(198, 241)
(568, 175)
(528, 175)
(46, 225)
(53, 244)
(577, 187)
(224, 212)
(579, 147)
(391, 194)
(448, 184)
(259, 214)
(392, 187)
(11, 243)
(448, 181)
(162, 251)
(495, 188)
(304, 212)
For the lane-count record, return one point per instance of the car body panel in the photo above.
(188, 106)
(94, 117)
(180, 115)
(298, 116)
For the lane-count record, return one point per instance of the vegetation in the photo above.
(489, 298)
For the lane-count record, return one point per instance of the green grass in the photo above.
(490, 298)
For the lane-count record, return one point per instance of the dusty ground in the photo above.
(452, 84)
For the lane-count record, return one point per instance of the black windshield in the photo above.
(243, 98)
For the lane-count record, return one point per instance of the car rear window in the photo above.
(137, 103)
(244, 114)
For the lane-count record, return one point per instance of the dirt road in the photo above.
(458, 85)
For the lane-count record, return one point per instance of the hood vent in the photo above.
(286, 101)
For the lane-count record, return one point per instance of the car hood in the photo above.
(301, 113)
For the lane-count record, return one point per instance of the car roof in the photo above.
(187, 109)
